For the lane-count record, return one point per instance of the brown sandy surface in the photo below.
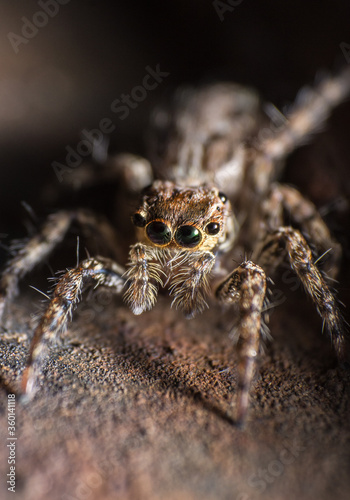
(139, 408)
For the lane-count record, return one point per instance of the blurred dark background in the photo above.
(65, 77)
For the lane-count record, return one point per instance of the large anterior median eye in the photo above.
(158, 232)
(188, 236)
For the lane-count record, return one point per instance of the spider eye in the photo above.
(158, 232)
(212, 228)
(222, 197)
(188, 236)
(139, 220)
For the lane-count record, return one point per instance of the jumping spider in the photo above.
(216, 191)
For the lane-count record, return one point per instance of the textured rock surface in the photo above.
(138, 408)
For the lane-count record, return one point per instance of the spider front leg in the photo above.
(36, 249)
(190, 286)
(245, 287)
(59, 310)
(289, 242)
(142, 278)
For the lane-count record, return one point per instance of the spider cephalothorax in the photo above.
(178, 227)
(176, 218)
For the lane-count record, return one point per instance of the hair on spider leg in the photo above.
(40, 306)
(265, 333)
(235, 261)
(339, 204)
(39, 291)
(78, 258)
(88, 256)
(323, 255)
(16, 245)
(5, 247)
(276, 116)
(250, 255)
(31, 213)
(176, 260)
(233, 328)
(243, 257)
(234, 332)
(270, 305)
(32, 223)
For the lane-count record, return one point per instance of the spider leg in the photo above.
(287, 206)
(264, 162)
(134, 172)
(65, 296)
(190, 285)
(310, 111)
(33, 251)
(142, 278)
(246, 287)
(289, 242)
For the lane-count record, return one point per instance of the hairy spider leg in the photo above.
(190, 286)
(66, 295)
(286, 206)
(245, 287)
(33, 251)
(311, 109)
(289, 242)
(143, 278)
(264, 160)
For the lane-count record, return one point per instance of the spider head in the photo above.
(175, 217)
